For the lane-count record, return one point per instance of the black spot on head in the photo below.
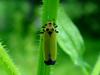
(49, 32)
(47, 29)
(49, 62)
(49, 23)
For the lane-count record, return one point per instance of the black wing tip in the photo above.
(49, 62)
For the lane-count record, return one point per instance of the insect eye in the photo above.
(47, 29)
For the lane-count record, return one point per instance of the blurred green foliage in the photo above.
(19, 24)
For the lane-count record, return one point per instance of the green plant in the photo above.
(49, 12)
(6, 61)
(69, 38)
(96, 69)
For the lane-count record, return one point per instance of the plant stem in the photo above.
(49, 13)
(7, 62)
(50, 8)
(42, 69)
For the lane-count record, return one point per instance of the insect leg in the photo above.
(55, 25)
(56, 31)
(44, 26)
(41, 32)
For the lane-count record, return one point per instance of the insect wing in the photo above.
(50, 48)
(46, 46)
(53, 46)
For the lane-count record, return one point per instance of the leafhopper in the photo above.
(50, 43)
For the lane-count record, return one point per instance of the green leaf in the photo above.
(96, 70)
(69, 37)
(6, 61)
(70, 40)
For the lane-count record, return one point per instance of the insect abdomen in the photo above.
(49, 62)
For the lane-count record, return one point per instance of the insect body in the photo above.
(50, 43)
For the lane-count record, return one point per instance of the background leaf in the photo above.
(70, 40)
(69, 37)
(7, 63)
(96, 70)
